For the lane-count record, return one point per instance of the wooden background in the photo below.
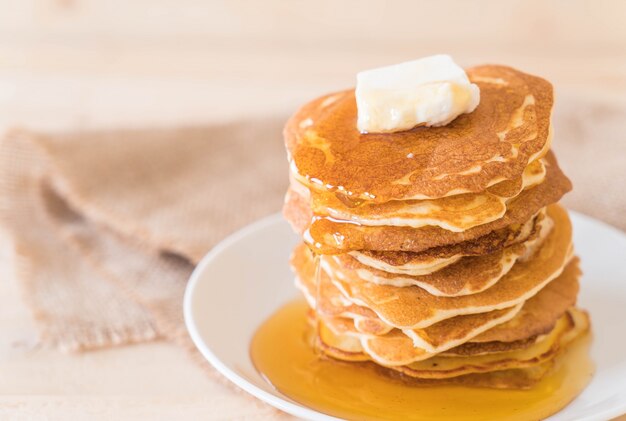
(67, 64)
(128, 62)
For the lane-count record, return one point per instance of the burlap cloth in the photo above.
(107, 226)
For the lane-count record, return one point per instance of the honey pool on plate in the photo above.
(282, 352)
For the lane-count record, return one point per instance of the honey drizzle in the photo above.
(354, 391)
(318, 294)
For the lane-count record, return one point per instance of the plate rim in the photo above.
(286, 404)
(292, 408)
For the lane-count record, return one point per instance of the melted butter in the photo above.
(282, 352)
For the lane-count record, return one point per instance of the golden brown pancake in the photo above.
(328, 235)
(481, 348)
(468, 275)
(413, 307)
(541, 311)
(454, 213)
(520, 379)
(387, 353)
(488, 243)
(420, 344)
(393, 353)
(345, 318)
(504, 379)
(537, 316)
(425, 343)
(442, 257)
(508, 129)
(572, 325)
(332, 302)
(403, 261)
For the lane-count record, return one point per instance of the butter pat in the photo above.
(431, 91)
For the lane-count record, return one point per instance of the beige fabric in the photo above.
(107, 226)
(591, 148)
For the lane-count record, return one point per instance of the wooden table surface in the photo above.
(69, 64)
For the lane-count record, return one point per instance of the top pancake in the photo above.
(509, 128)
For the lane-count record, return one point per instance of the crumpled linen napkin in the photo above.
(107, 226)
(590, 144)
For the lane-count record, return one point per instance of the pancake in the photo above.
(455, 331)
(328, 235)
(437, 255)
(573, 324)
(569, 326)
(536, 317)
(469, 275)
(508, 129)
(394, 349)
(402, 347)
(523, 378)
(409, 263)
(332, 304)
(370, 325)
(348, 319)
(454, 213)
(413, 307)
(345, 318)
(540, 312)
(519, 379)
(420, 344)
(482, 348)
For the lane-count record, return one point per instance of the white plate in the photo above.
(246, 277)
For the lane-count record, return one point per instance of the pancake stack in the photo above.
(437, 254)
